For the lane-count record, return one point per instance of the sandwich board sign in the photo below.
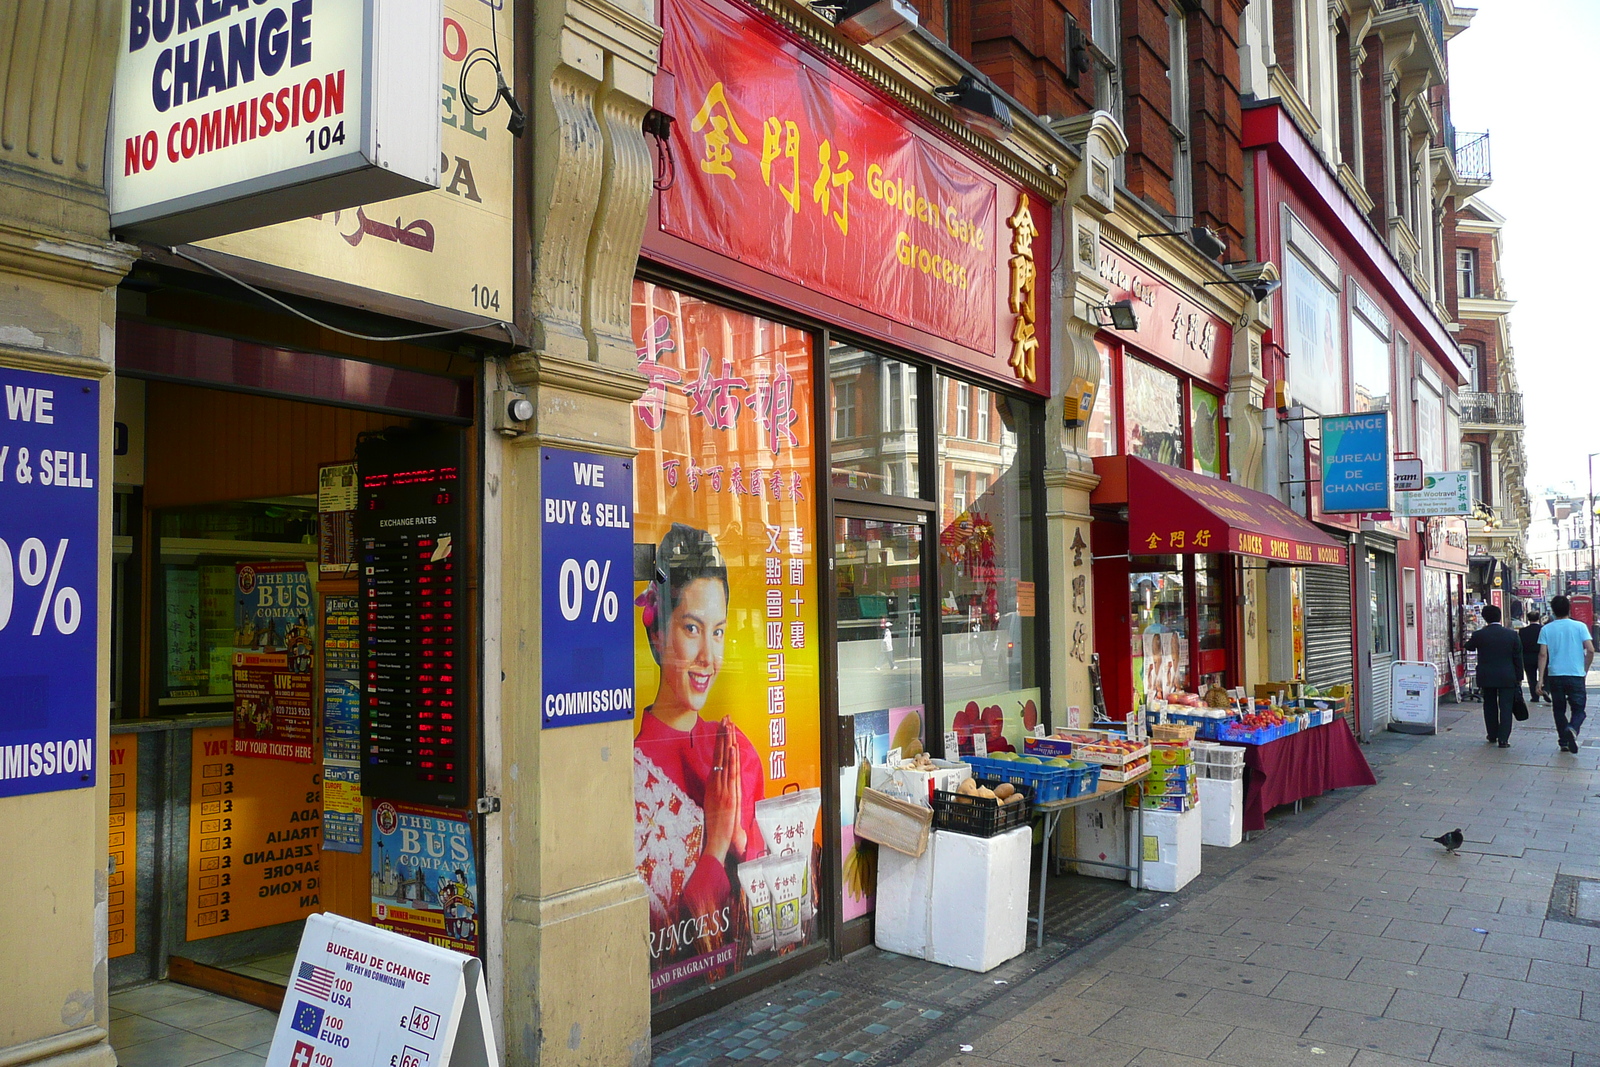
(1414, 697)
(363, 997)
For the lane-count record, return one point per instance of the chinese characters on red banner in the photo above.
(798, 170)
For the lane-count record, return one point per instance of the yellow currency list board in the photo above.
(124, 845)
(255, 838)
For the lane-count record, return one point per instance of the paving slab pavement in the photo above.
(1342, 936)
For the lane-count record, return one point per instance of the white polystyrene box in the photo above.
(905, 890)
(1102, 829)
(946, 776)
(979, 917)
(1221, 812)
(1176, 862)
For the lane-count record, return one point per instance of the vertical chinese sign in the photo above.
(727, 753)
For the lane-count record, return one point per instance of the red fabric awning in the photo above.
(1176, 511)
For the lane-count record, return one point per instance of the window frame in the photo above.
(1466, 274)
(1182, 180)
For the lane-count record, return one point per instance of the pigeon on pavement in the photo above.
(1451, 841)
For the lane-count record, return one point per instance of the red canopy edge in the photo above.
(1171, 510)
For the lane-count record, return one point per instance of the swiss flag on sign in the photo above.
(302, 1055)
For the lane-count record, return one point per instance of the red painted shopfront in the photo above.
(1351, 334)
(1187, 545)
(841, 312)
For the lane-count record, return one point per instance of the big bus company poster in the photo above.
(727, 747)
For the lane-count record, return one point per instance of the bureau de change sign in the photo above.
(230, 114)
(363, 997)
(1355, 463)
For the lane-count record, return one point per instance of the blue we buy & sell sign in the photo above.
(49, 580)
(587, 504)
(1355, 463)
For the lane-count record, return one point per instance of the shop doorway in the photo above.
(237, 749)
(882, 674)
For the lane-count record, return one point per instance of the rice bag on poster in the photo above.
(758, 904)
(786, 877)
(788, 825)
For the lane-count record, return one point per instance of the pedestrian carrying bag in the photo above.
(1519, 707)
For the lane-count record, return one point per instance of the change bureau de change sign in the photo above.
(363, 997)
(1355, 463)
(228, 116)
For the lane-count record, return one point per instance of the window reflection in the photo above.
(873, 415)
(986, 577)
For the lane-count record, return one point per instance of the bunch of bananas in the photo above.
(861, 870)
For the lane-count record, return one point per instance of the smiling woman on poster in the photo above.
(696, 781)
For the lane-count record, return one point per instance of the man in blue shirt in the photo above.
(1566, 649)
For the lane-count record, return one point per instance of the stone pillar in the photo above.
(58, 274)
(1076, 290)
(1247, 444)
(575, 982)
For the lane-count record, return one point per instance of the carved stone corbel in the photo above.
(1077, 286)
(591, 85)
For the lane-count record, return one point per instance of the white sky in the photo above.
(1525, 71)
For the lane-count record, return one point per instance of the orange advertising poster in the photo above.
(123, 845)
(727, 749)
(255, 838)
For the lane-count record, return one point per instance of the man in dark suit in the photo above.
(1530, 654)
(1499, 674)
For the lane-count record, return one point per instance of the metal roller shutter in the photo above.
(1330, 656)
(1382, 670)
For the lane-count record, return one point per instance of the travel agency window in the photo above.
(1160, 401)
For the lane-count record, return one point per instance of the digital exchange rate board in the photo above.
(414, 731)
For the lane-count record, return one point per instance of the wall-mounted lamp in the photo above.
(1122, 315)
(875, 21)
(978, 106)
(1258, 288)
(1206, 241)
(512, 409)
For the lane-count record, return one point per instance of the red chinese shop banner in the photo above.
(727, 755)
(789, 165)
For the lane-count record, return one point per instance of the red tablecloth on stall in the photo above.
(1304, 764)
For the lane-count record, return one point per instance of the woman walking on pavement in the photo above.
(1499, 674)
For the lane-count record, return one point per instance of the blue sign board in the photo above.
(50, 481)
(1355, 463)
(587, 510)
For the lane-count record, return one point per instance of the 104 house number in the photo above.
(485, 298)
(324, 137)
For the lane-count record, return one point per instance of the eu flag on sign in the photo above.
(307, 1019)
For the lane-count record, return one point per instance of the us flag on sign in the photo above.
(313, 980)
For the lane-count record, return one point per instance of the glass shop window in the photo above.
(1152, 413)
(873, 402)
(196, 624)
(987, 604)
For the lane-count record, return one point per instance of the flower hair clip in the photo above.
(648, 600)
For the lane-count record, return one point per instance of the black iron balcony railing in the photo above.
(1491, 409)
(1471, 152)
(1433, 11)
